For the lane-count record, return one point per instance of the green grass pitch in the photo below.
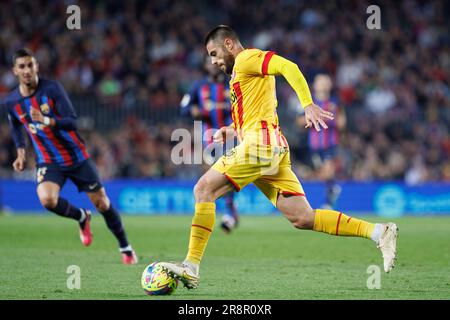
(264, 259)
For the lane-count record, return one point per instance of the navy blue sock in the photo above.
(332, 192)
(65, 209)
(114, 224)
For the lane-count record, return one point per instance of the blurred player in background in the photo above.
(323, 144)
(263, 155)
(43, 108)
(208, 102)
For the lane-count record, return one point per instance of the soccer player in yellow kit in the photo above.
(262, 157)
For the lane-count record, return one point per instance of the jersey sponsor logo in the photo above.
(45, 108)
(233, 96)
(35, 127)
(32, 128)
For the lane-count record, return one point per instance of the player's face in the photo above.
(220, 56)
(26, 69)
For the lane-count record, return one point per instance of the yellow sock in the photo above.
(202, 226)
(337, 223)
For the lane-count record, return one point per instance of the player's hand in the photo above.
(19, 164)
(315, 116)
(36, 115)
(221, 135)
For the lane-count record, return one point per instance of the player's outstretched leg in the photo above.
(48, 193)
(230, 220)
(114, 223)
(201, 229)
(210, 187)
(302, 216)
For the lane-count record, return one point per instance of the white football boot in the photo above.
(183, 272)
(228, 223)
(388, 245)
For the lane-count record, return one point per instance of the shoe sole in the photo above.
(395, 231)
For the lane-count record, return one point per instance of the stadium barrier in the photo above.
(148, 197)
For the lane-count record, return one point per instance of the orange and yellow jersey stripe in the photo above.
(253, 98)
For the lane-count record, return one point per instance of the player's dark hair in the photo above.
(20, 53)
(221, 32)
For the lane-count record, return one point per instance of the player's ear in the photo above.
(37, 65)
(229, 44)
(14, 70)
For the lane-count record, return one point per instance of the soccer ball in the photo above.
(155, 281)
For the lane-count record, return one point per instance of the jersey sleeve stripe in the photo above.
(265, 64)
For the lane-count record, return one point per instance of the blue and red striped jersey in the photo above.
(328, 138)
(212, 98)
(61, 144)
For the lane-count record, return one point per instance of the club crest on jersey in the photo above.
(45, 108)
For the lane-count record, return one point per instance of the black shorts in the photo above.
(83, 175)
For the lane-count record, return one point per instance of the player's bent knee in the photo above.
(102, 204)
(48, 202)
(202, 191)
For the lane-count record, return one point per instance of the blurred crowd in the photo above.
(393, 83)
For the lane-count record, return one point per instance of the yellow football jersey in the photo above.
(253, 99)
